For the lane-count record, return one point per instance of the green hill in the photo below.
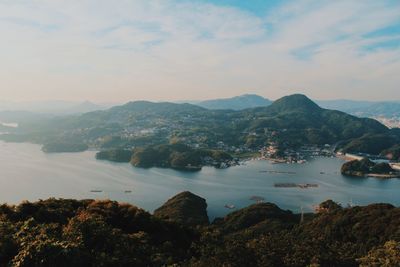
(305, 122)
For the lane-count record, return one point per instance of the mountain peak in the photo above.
(296, 102)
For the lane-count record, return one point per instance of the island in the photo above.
(174, 156)
(368, 168)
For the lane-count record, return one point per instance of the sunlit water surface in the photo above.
(26, 173)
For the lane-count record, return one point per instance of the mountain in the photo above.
(236, 103)
(293, 103)
(291, 121)
(301, 121)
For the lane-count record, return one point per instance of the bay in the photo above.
(26, 173)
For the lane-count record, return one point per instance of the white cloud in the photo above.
(122, 50)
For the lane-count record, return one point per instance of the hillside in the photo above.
(66, 232)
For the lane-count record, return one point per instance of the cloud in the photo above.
(122, 50)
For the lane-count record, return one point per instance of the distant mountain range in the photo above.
(236, 103)
(53, 107)
(388, 109)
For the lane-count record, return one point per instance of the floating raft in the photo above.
(281, 172)
(289, 185)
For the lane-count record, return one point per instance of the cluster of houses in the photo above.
(274, 153)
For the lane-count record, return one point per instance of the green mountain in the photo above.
(302, 121)
(293, 103)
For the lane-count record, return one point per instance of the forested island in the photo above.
(366, 167)
(67, 232)
(175, 156)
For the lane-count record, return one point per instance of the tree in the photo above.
(387, 255)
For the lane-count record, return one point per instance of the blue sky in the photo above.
(197, 49)
(257, 7)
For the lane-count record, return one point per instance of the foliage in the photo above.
(371, 143)
(185, 208)
(117, 155)
(61, 232)
(387, 255)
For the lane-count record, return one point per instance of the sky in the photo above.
(118, 51)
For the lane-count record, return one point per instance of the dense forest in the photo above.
(65, 232)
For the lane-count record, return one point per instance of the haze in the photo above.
(116, 51)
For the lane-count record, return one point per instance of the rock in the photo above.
(186, 208)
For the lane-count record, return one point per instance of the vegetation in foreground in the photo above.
(65, 232)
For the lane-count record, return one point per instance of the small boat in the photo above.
(128, 191)
(96, 191)
(229, 206)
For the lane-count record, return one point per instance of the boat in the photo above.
(229, 206)
(96, 191)
(128, 191)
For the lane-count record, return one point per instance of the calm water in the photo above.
(28, 173)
